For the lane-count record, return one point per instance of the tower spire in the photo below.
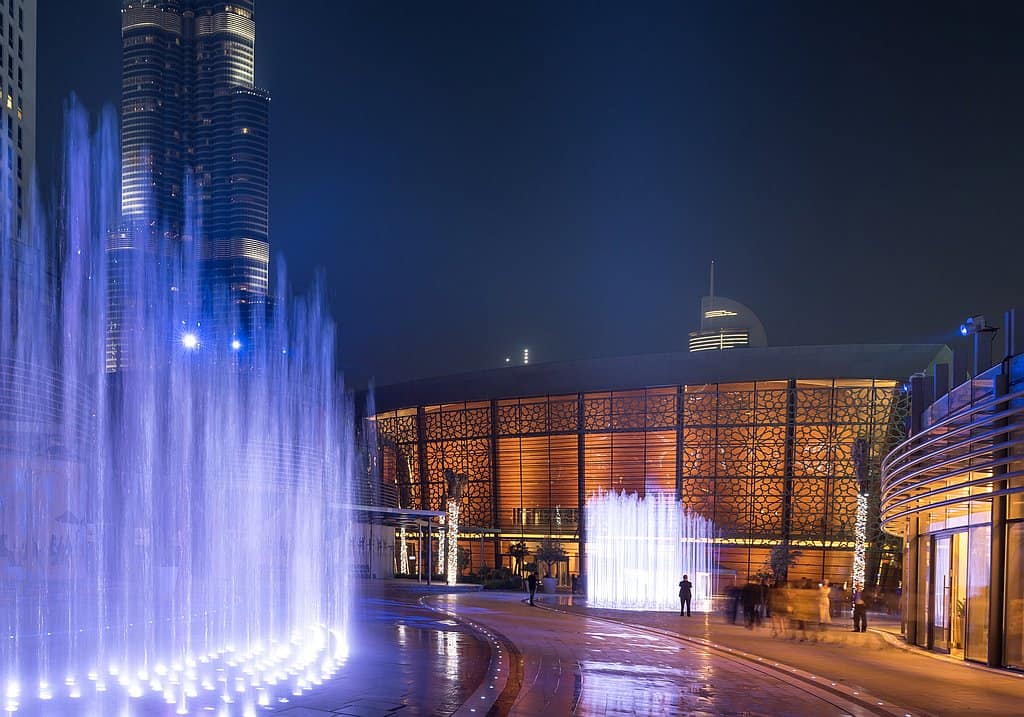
(711, 298)
(712, 281)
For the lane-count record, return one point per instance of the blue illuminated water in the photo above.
(172, 534)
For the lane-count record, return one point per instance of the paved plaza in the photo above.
(423, 652)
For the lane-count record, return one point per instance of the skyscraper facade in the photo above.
(18, 99)
(193, 127)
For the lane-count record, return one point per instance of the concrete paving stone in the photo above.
(368, 710)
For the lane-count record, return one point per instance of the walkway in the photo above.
(576, 664)
(423, 652)
(629, 652)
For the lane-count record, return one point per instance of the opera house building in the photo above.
(756, 439)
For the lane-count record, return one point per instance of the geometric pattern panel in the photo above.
(729, 443)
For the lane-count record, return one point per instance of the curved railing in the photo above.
(955, 460)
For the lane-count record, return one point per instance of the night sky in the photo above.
(473, 178)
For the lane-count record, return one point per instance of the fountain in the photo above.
(173, 539)
(638, 549)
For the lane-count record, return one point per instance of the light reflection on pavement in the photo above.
(575, 665)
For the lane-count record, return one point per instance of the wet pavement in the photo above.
(479, 653)
(406, 660)
(875, 663)
(574, 664)
(419, 651)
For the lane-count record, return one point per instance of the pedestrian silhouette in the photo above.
(685, 592)
(860, 609)
(531, 582)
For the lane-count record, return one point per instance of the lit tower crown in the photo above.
(725, 324)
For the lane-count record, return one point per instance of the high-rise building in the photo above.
(18, 95)
(193, 126)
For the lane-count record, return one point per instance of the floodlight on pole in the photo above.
(976, 325)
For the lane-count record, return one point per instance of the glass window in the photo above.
(921, 593)
(980, 550)
(1013, 647)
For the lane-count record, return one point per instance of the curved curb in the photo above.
(496, 692)
(821, 687)
(898, 642)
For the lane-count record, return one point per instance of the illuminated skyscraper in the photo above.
(18, 97)
(193, 124)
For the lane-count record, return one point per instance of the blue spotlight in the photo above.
(236, 345)
(190, 341)
(975, 325)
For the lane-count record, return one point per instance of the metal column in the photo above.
(997, 563)
(419, 553)
(581, 484)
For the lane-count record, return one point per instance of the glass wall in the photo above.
(980, 547)
(1013, 644)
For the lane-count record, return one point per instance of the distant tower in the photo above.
(725, 324)
(18, 97)
(190, 112)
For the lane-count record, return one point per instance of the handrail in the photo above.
(904, 472)
(906, 445)
(947, 446)
(945, 489)
(966, 442)
(954, 501)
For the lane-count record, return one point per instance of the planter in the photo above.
(548, 585)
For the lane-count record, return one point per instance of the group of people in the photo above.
(791, 608)
(794, 608)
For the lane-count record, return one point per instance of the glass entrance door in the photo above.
(941, 593)
(949, 593)
(958, 594)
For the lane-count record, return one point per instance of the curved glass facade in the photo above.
(767, 461)
(955, 492)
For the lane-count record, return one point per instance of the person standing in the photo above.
(573, 579)
(824, 604)
(531, 582)
(685, 593)
(860, 610)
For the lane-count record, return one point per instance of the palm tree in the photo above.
(518, 551)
